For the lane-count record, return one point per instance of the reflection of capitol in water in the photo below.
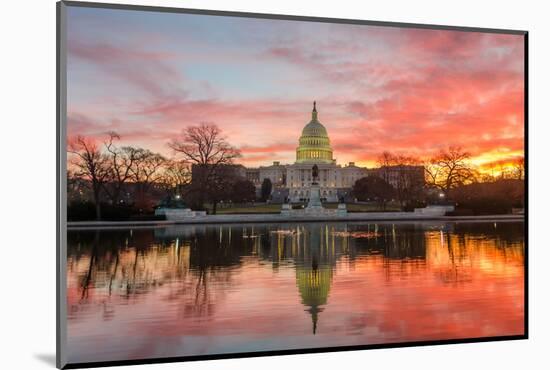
(139, 261)
(314, 274)
(314, 286)
(197, 269)
(314, 249)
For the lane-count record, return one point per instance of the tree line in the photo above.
(201, 154)
(447, 176)
(202, 170)
(108, 168)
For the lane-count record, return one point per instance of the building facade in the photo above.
(293, 181)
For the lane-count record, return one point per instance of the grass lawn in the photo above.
(276, 208)
(249, 209)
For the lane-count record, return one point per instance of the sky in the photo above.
(150, 75)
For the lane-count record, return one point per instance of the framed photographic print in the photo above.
(235, 184)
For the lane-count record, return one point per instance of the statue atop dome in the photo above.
(314, 111)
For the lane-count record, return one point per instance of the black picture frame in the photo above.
(61, 159)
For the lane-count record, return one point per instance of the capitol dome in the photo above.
(314, 145)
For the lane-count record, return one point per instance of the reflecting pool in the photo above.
(210, 289)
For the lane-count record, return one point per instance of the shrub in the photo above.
(498, 197)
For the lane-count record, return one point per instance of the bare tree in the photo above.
(403, 172)
(220, 185)
(519, 169)
(385, 161)
(409, 185)
(78, 188)
(205, 148)
(90, 164)
(176, 175)
(145, 170)
(449, 169)
(432, 173)
(491, 173)
(122, 161)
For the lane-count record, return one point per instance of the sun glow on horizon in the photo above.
(406, 91)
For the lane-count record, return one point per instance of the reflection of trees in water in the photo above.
(195, 264)
(457, 249)
(456, 264)
(391, 241)
(86, 279)
(214, 251)
(399, 248)
(195, 269)
(124, 264)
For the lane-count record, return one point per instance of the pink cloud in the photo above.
(148, 71)
(417, 91)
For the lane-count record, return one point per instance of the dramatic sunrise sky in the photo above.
(149, 75)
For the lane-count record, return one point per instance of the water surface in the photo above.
(197, 290)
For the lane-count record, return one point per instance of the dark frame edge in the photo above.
(526, 186)
(301, 351)
(61, 187)
(226, 13)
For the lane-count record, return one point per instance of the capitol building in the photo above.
(293, 181)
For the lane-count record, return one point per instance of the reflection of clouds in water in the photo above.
(347, 283)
